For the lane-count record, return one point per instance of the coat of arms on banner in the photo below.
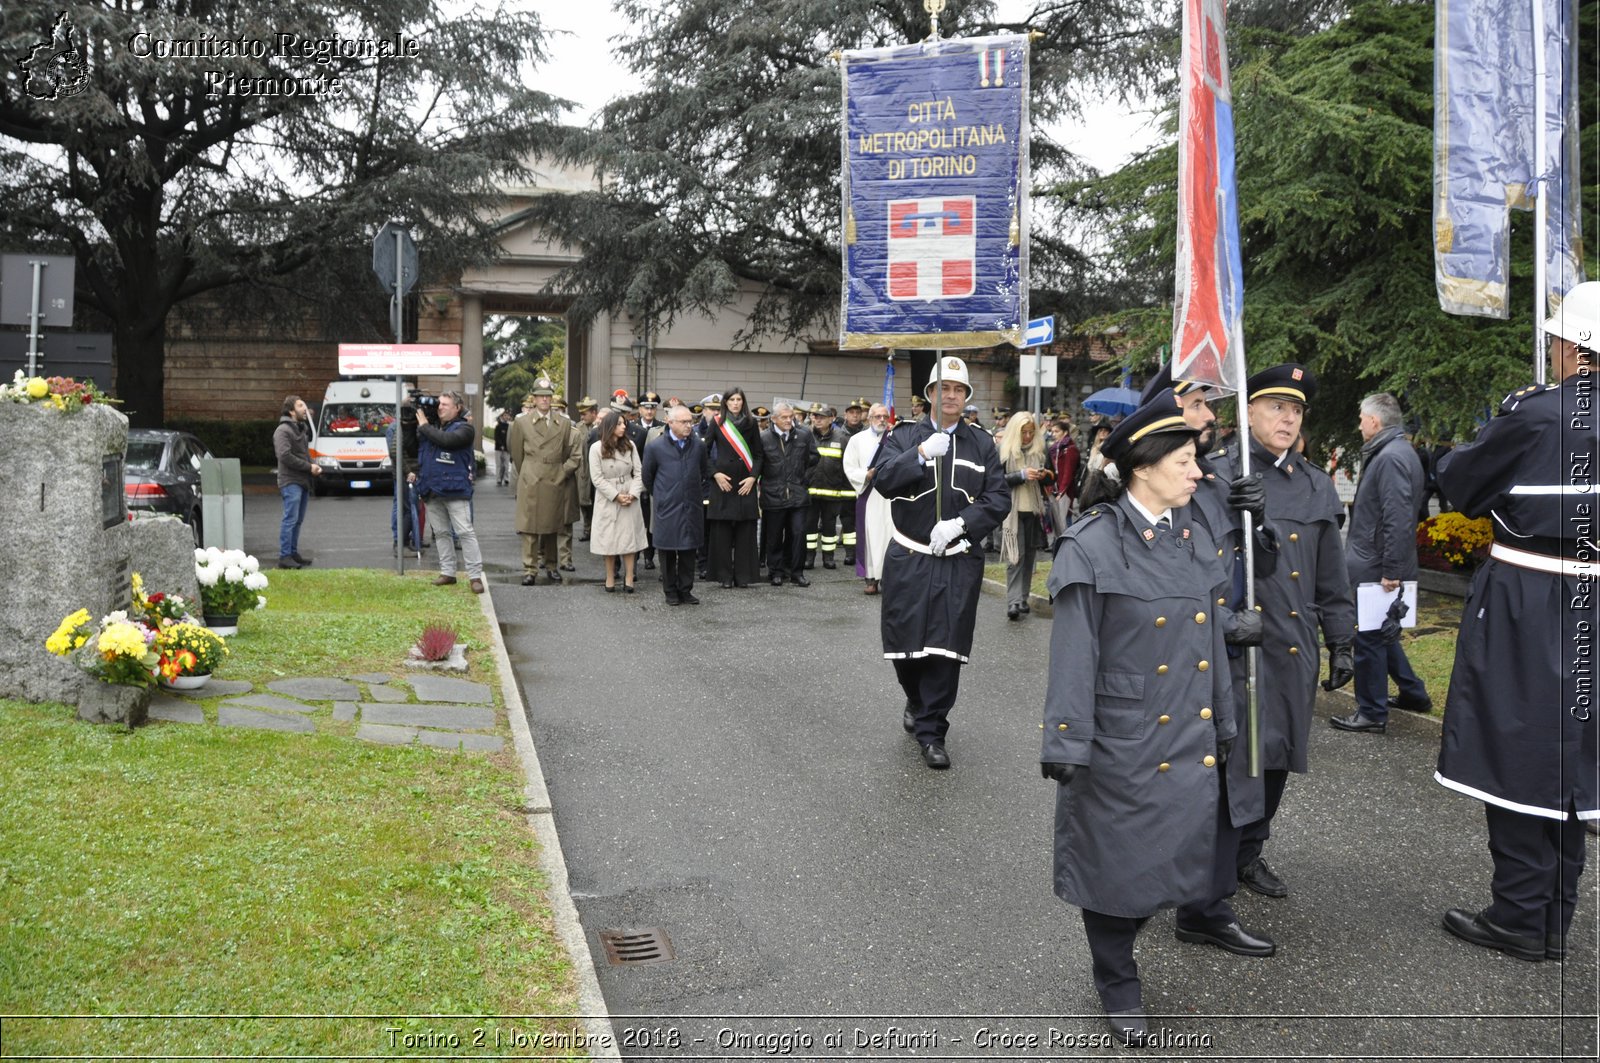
(933, 248)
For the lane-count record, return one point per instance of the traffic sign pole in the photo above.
(33, 319)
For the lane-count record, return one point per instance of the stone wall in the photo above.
(57, 553)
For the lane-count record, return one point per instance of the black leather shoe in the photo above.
(1397, 702)
(649, 562)
(1026, 608)
(800, 581)
(529, 580)
(690, 599)
(1474, 928)
(555, 577)
(674, 601)
(1258, 878)
(1555, 947)
(568, 568)
(1231, 938)
(908, 719)
(934, 756)
(828, 563)
(776, 581)
(727, 584)
(1357, 722)
(849, 559)
(1013, 611)
(1130, 1027)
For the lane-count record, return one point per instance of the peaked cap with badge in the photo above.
(1291, 380)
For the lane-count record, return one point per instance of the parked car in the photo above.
(162, 474)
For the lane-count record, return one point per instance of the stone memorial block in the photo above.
(163, 555)
(64, 545)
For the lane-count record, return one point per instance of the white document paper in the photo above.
(1372, 604)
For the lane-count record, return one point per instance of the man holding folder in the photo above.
(1382, 549)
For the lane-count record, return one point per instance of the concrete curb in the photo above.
(541, 817)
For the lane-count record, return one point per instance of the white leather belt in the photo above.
(1562, 566)
(960, 546)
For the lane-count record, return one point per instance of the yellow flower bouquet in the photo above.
(118, 650)
(1452, 542)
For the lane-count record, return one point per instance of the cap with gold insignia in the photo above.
(1290, 380)
(762, 412)
(544, 386)
(697, 408)
(527, 400)
(587, 403)
(559, 402)
(950, 370)
(858, 404)
(712, 401)
(1163, 380)
(1159, 416)
(649, 401)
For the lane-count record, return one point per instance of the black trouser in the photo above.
(732, 544)
(847, 529)
(1537, 862)
(822, 521)
(677, 573)
(785, 530)
(1255, 835)
(649, 551)
(1216, 911)
(930, 684)
(1116, 976)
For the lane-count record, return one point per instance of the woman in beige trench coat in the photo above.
(617, 473)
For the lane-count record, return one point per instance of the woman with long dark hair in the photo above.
(617, 473)
(1139, 705)
(735, 447)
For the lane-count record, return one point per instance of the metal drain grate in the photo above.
(636, 946)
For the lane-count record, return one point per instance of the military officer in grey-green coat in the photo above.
(1308, 586)
(1139, 708)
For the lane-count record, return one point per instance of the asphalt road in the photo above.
(735, 774)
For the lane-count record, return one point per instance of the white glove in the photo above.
(935, 446)
(944, 533)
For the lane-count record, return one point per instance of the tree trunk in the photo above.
(141, 358)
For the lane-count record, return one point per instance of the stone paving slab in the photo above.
(273, 701)
(386, 736)
(344, 711)
(175, 710)
(217, 688)
(230, 715)
(469, 742)
(393, 695)
(439, 688)
(316, 689)
(445, 717)
(372, 677)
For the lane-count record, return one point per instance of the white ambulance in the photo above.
(350, 444)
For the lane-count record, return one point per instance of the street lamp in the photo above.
(641, 351)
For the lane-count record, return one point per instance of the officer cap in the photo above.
(762, 412)
(1288, 381)
(970, 408)
(559, 403)
(587, 403)
(712, 401)
(544, 386)
(1163, 380)
(697, 408)
(822, 409)
(1157, 417)
(649, 401)
(527, 400)
(859, 404)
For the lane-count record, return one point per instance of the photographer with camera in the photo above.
(1022, 536)
(444, 480)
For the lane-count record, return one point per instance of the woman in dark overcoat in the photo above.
(733, 503)
(1139, 707)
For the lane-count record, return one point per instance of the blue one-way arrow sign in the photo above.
(1041, 330)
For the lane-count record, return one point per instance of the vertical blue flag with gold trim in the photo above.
(1483, 156)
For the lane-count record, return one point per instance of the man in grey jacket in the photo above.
(1382, 548)
(291, 445)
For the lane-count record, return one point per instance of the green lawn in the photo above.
(186, 870)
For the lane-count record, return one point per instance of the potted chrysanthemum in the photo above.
(187, 654)
(117, 651)
(230, 584)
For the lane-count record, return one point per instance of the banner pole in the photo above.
(1541, 204)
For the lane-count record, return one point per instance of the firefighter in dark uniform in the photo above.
(946, 490)
(1139, 710)
(1519, 725)
(1216, 504)
(1308, 584)
(854, 424)
(831, 493)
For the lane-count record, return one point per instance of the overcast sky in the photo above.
(581, 68)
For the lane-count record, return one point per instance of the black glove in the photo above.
(1341, 665)
(1248, 495)
(1224, 750)
(1389, 631)
(1061, 773)
(1242, 628)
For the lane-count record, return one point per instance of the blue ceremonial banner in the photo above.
(1485, 98)
(936, 194)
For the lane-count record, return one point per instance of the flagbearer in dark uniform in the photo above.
(946, 490)
(1519, 723)
(1308, 585)
(1138, 716)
